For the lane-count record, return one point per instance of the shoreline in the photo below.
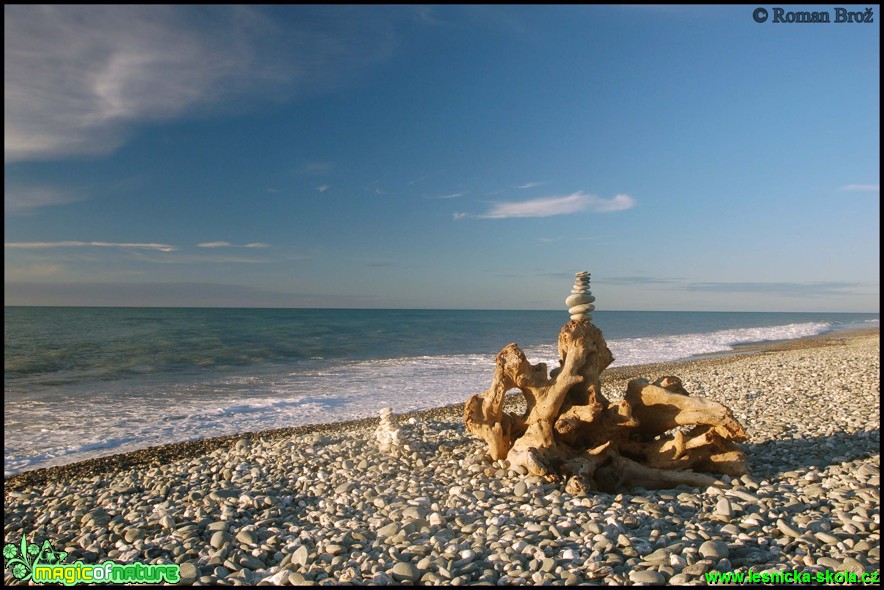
(616, 377)
(323, 504)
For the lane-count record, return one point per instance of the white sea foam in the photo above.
(314, 392)
(638, 351)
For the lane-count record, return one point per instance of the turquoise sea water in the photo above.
(84, 382)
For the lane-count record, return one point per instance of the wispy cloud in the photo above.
(35, 271)
(316, 168)
(199, 259)
(860, 187)
(550, 206)
(77, 78)
(229, 245)
(806, 289)
(531, 184)
(451, 196)
(639, 280)
(794, 289)
(161, 294)
(23, 200)
(158, 247)
(323, 187)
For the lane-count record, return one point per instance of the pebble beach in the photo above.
(324, 505)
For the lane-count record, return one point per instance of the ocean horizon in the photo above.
(83, 382)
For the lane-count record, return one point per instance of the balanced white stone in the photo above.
(580, 301)
(387, 432)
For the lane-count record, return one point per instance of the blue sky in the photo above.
(689, 158)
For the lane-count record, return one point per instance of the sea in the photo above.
(84, 382)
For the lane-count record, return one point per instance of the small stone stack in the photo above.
(580, 301)
(387, 431)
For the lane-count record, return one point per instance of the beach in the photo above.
(323, 505)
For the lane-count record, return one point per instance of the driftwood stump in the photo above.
(570, 430)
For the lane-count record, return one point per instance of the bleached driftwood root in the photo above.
(570, 430)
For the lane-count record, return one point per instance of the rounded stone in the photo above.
(715, 550)
(658, 557)
(300, 555)
(404, 571)
(251, 562)
(578, 299)
(389, 530)
(219, 539)
(297, 579)
(217, 526)
(648, 577)
(246, 537)
(188, 573)
(132, 534)
(723, 508)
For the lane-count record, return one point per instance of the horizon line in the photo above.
(559, 310)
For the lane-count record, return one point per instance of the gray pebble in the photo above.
(300, 556)
(389, 530)
(648, 577)
(723, 508)
(714, 550)
(246, 538)
(404, 571)
(219, 539)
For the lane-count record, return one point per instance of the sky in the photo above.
(455, 157)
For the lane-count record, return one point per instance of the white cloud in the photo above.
(531, 184)
(29, 199)
(550, 206)
(322, 188)
(77, 78)
(229, 245)
(35, 271)
(451, 196)
(199, 259)
(159, 247)
(860, 187)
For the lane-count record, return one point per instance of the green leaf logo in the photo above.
(22, 559)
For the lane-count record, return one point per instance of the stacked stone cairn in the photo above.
(580, 301)
(387, 432)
